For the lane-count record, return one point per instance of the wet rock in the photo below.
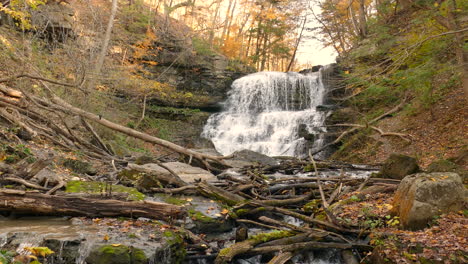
(66, 251)
(116, 254)
(248, 157)
(397, 166)
(326, 107)
(422, 196)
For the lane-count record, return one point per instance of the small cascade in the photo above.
(273, 113)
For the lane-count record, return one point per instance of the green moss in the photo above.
(138, 256)
(99, 187)
(173, 200)
(312, 206)
(265, 237)
(224, 252)
(176, 246)
(110, 254)
(199, 216)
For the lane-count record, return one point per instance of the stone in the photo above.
(116, 254)
(47, 176)
(247, 157)
(79, 166)
(186, 172)
(54, 21)
(422, 196)
(397, 166)
(448, 166)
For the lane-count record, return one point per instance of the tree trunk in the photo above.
(105, 42)
(362, 19)
(297, 45)
(213, 23)
(36, 203)
(226, 23)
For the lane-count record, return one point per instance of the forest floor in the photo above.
(437, 132)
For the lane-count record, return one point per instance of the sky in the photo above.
(311, 50)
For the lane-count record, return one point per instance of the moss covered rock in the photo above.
(116, 254)
(397, 166)
(448, 166)
(421, 197)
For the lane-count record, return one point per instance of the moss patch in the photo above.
(121, 254)
(99, 187)
(265, 237)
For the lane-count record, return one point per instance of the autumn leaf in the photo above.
(225, 211)
(40, 251)
(106, 237)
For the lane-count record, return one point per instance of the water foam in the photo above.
(264, 111)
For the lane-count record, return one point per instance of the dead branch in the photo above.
(339, 138)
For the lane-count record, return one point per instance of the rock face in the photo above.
(397, 166)
(54, 21)
(422, 196)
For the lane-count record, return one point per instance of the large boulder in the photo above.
(187, 173)
(422, 196)
(397, 166)
(248, 157)
(448, 166)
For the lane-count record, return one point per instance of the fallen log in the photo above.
(227, 254)
(68, 108)
(37, 203)
(306, 245)
(217, 193)
(281, 258)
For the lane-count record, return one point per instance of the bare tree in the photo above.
(105, 42)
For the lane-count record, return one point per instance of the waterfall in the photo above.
(272, 113)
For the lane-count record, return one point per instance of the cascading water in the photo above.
(268, 112)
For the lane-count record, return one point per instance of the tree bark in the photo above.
(293, 57)
(36, 203)
(105, 42)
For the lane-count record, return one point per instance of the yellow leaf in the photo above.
(225, 211)
(106, 237)
(116, 245)
(436, 4)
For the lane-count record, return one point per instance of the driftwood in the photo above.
(37, 203)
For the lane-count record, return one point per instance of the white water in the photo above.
(263, 113)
